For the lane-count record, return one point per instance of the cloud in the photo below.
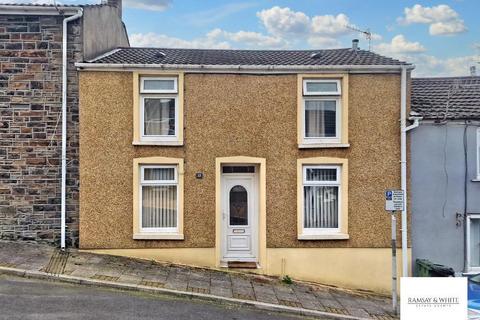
(249, 39)
(284, 21)
(323, 42)
(216, 38)
(428, 65)
(442, 28)
(153, 5)
(330, 25)
(320, 30)
(442, 19)
(399, 45)
(376, 36)
(206, 17)
(284, 27)
(160, 40)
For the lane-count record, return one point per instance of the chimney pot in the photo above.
(473, 71)
(355, 44)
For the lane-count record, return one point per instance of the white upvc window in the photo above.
(321, 113)
(478, 153)
(321, 199)
(159, 199)
(473, 243)
(159, 111)
(159, 85)
(321, 87)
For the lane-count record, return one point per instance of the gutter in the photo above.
(241, 68)
(64, 123)
(37, 10)
(416, 123)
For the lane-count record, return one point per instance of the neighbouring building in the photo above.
(31, 108)
(445, 172)
(271, 160)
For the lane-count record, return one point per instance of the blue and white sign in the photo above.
(394, 200)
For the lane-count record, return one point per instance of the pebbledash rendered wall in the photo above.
(30, 121)
(243, 115)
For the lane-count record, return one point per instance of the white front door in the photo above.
(239, 214)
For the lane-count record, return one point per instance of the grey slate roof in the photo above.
(430, 97)
(169, 56)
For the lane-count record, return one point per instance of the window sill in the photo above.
(158, 236)
(158, 143)
(323, 145)
(329, 236)
(476, 179)
(471, 272)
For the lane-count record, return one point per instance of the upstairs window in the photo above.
(159, 85)
(159, 109)
(321, 112)
(321, 87)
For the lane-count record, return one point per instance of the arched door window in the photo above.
(238, 206)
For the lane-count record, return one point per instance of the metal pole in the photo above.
(394, 263)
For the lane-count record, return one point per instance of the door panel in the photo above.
(236, 243)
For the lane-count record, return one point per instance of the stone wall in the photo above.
(30, 127)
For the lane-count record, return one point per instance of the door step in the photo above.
(242, 265)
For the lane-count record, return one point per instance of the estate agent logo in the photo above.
(433, 298)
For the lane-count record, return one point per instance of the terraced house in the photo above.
(274, 161)
(39, 45)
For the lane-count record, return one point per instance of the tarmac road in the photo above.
(34, 299)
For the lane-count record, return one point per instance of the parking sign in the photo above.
(394, 200)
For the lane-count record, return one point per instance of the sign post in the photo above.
(394, 263)
(393, 203)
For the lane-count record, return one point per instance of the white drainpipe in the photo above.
(64, 123)
(403, 161)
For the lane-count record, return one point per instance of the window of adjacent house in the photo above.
(478, 154)
(159, 108)
(159, 198)
(473, 236)
(321, 199)
(321, 111)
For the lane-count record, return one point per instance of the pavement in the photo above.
(45, 262)
(41, 300)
